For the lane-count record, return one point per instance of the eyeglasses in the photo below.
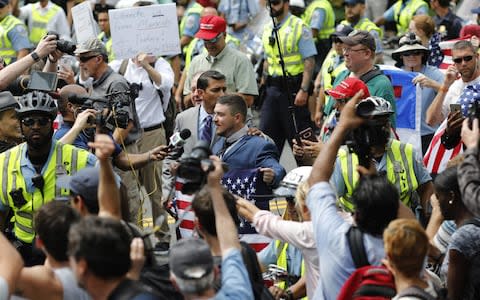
(42, 121)
(214, 40)
(410, 53)
(459, 60)
(348, 50)
(86, 58)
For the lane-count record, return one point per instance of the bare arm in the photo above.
(120, 134)
(125, 161)
(227, 231)
(248, 99)
(458, 268)
(302, 96)
(425, 191)
(81, 122)
(434, 114)
(12, 71)
(154, 75)
(108, 192)
(10, 263)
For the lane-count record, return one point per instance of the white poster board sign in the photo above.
(150, 29)
(83, 21)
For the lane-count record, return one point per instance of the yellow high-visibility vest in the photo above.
(64, 160)
(400, 172)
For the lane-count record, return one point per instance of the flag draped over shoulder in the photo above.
(408, 104)
(248, 184)
(470, 94)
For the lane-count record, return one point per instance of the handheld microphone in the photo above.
(178, 139)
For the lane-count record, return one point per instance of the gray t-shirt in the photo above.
(466, 240)
(71, 290)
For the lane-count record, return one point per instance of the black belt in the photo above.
(153, 127)
(292, 81)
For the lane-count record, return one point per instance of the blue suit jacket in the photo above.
(254, 152)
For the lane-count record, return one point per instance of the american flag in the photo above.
(470, 94)
(183, 204)
(436, 55)
(248, 184)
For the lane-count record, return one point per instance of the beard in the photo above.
(276, 13)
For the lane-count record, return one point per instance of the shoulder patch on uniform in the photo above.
(190, 21)
(306, 33)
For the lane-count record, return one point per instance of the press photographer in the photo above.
(372, 143)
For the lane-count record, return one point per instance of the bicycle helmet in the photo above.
(290, 182)
(373, 107)
(37, 101)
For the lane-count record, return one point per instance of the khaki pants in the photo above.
(151, 179)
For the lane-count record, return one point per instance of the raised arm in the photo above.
(108, 192)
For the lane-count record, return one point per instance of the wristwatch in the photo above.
(288, 295)
(305, 89)
(35, 56)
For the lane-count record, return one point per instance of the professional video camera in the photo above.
(374, 132)
(64, 45)
(192, 168)
(111, 113)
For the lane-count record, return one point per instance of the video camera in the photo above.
(192, 167)
(373, 133)
(111, 113)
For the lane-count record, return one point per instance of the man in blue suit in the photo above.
(242, 151)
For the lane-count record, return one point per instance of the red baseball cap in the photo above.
(210, 27)
(348, 88)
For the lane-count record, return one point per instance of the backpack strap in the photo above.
(371, 74)
(357, 248)
(415, 291)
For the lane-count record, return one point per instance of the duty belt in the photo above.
(292, 81)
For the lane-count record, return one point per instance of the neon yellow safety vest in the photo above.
(64, 159)
(108, 46)
(329, 71)
(365, 24)
(6, 47)
(194, 9)
(400, 172)
(282, 262)
(38, 27)
(229, 40)
(289, 34)
(405, 15)
(329, 23)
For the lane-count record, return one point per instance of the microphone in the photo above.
(78, 99)
(177, 140)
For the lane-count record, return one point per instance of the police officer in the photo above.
(105, 36)
(298, 51)
(14, 42)
(190, 23)
(402, 13)
(355, 17)
(44, 16)
(10, 133)
(31, 169)
(372, 142)
(320, 16)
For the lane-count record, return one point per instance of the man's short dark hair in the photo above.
(236, 103)
(104, 243)
(52, 223)
(376, 203)
(444, 3)
(202, 81)
(203, 207)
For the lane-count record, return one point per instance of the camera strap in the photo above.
(371, 74)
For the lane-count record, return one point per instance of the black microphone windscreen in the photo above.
(185, 134)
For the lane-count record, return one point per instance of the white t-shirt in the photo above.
(453, 94)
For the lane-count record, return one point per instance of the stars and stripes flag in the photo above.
(470, 94)
(183, 205)
(248, 183)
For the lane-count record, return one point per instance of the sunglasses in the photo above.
(42, 121)
(86, 58)
(459, 60)
(410, 53)
(214, 40)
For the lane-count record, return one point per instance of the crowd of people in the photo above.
(197, 137)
